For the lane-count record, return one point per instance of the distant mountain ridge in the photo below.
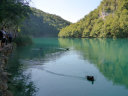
(110, 19)
(42, 24)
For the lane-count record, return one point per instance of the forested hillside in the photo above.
(110, 19)
(43, 24)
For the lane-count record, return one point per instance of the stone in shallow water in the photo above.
(4, 76)
(7, 93)
(3, 86)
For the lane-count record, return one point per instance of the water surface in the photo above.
(48, 69)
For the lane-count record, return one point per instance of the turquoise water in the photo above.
(48, 69)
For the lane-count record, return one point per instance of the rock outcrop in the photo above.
(4, 53)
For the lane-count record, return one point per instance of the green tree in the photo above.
(108, 20)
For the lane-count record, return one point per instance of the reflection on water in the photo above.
(110, 56)
(20, 83)
(48, 69)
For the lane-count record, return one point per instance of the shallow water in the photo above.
(48, 69)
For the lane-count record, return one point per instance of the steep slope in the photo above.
(43, 24)
(110, 19)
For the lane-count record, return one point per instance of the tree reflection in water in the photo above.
(108, 55)
(20, 83)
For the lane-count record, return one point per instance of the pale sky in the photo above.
(71, 10)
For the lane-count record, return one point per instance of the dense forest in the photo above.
(42, 24)
(17, 16)
(110, 19)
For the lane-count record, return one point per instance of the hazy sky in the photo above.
(71, 10)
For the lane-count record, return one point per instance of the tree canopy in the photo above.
(41, 23)
(12, 12)
(108, 20)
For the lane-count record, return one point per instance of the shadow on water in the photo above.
(108, 55)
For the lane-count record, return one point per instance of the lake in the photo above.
(47, 69)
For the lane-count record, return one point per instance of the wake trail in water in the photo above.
(64, 75)
(60, 74)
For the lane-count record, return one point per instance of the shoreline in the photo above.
(4, 75)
